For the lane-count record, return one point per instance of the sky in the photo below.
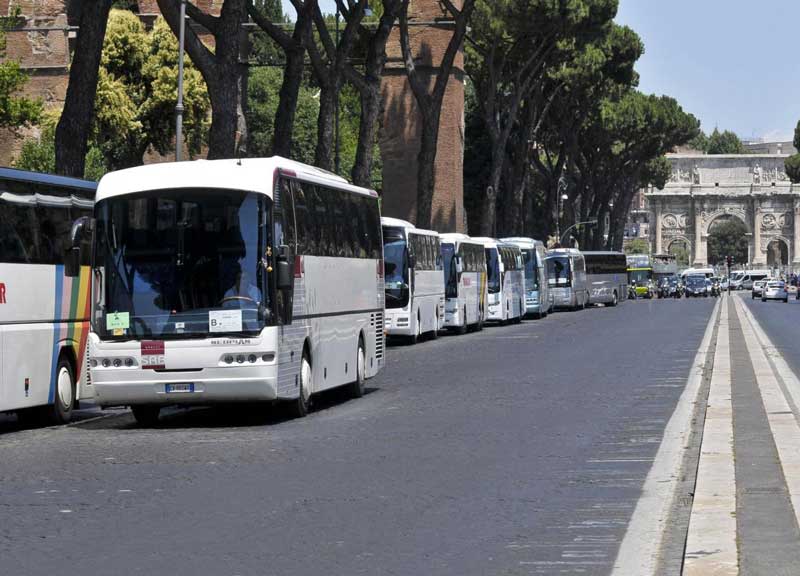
(731, 63)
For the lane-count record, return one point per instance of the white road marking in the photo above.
(782, 422)
(711, 543)
(638, 552)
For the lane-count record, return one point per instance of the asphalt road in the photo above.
(781, 322)
(518, 450)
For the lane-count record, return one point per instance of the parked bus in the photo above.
(505, 277)
(412, 260)
(466, 291)
(607, 277)
(640, 274)
(233, 281)
(537, 293)
(44, 295)
(566, 275)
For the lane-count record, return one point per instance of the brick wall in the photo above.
(400, 131)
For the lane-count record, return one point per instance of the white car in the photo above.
(774, 290)
(758, 289)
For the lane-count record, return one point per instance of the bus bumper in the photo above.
(212, 385)
(398, 322)
(453, 316)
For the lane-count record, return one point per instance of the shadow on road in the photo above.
(223, 416)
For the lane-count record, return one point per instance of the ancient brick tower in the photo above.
(43, 47)
(400, 132)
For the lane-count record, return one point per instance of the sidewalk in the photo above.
(744, 517)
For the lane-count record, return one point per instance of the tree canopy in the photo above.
(793, 162)
(727, 238)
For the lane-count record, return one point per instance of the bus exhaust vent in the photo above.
(377, 322)
(87, 373)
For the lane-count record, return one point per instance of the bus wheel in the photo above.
(436, 327)
(146, 414)
(298, 408)
(60, 412)
(357, 387)
(614, 299)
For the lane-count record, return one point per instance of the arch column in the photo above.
(795, 261)
(758, 256)
(700, 255)
(659, 243)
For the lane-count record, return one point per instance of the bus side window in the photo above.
(301, 218)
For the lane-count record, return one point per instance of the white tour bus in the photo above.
(607, 277)
(412, 261)
(233, 281)
(566, 274)
(464, 263)
(538, 301)
(44, 295)
(505, 278)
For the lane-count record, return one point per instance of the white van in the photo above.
(746, 279)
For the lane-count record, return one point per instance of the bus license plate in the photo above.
(180, 388)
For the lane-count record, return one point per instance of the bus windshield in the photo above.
(395, 263)
(559, 272)
(450, 274)
(183, 263)
(493, 270)
(531, 272)
(641, 276)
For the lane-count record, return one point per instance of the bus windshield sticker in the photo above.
(225, 321)
(118, 321)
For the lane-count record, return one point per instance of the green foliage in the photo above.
(792, 164)
(263, 96)
(39, 155)
(681, 253)
(137, 92)
(15, 110)
(724, 143)
(727, 238)
(264, 49)
(637, 246)
(699, 142)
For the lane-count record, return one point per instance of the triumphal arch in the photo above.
(705, 190)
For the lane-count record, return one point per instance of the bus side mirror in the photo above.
(459, 265)
(81, 232)
(285, 280)
(72, 262)
(412, 261)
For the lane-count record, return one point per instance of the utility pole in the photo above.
(179, 105)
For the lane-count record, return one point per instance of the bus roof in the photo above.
(250, 174)
(522, 242)
(41, 178)
(602, 253)
(458, 238)
(407, 226)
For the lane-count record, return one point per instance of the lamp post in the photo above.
(562, 185)
(588, 222)
(179, 105)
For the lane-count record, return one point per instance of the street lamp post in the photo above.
(587, 222)
(179, 105)
(562, 185)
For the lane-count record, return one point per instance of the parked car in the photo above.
(695, 286)
(775, 290)
(758, 289)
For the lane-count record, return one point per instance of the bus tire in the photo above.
(357, 386)
(146, 414)
(298, 408)
(60, 411)
(436, 327)
(614, 299)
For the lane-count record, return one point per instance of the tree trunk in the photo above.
(287, 102)
(426, 173)
(370, 116)
(72, 131)
(489, 217)
(328, 110)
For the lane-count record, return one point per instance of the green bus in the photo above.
(640, 275)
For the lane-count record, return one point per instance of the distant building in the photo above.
(762, 147)
(637, 226)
